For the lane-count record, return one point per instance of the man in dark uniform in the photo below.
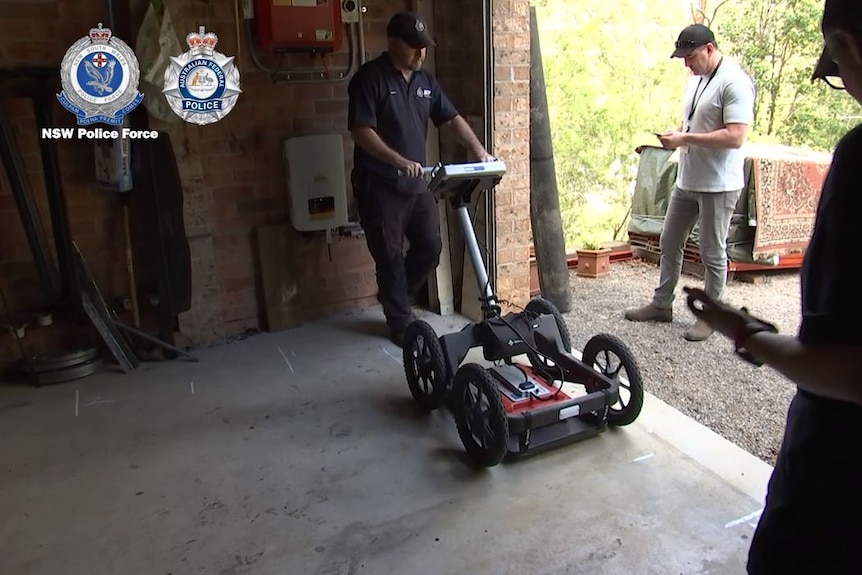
(812, 521)
(391, 100)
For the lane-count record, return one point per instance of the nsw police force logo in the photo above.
(100, 75)
(202, 85)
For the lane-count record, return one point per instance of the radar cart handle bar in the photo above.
(457, 183)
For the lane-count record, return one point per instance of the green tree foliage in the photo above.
(778, 42)
(611, 83)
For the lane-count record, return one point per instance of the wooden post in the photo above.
(440, 289)
(548, 238)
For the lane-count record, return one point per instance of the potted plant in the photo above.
(594, 261)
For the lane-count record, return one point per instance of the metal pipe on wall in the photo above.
(361, 26)
(488, 80)
(236, 21)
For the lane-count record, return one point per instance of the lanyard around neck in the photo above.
(696, 97)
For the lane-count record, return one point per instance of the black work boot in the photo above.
(397, 336)
(396, 332)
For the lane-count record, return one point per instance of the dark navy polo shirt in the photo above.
(831, 306)
(399, 111)
(820, 461)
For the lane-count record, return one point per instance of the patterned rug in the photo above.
(787, 188)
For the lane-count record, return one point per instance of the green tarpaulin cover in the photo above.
(656, 176)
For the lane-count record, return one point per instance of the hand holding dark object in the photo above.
(734, 323)
(671, 140)
(723, 318)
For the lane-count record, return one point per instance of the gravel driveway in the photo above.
(704, 380)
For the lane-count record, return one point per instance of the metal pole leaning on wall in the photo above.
(16, 173)
(488, 112)
(547, 223)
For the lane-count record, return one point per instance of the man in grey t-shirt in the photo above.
(718, 108)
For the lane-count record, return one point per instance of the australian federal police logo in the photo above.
(100, 75)
(202, 85)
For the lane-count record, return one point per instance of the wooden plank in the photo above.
(452, 152)
(278, 273)
(753, 278)
(440, 289)
(440, 284)
(471, 307)
(647, 243)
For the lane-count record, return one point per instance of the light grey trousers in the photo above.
(712, 212)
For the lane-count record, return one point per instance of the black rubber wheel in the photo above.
(542, 306)
(424, 365)
(479, 415)
(598, 354)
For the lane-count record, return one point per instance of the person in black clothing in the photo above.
(391, 99)
(812, 520)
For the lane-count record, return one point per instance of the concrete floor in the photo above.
(300, 453)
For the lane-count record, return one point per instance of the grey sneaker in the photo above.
(650, 312)
(700, 331)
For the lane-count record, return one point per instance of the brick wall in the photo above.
(511, 22)
(233, 173)
(460, 66)
(37, 33)
(243, 187)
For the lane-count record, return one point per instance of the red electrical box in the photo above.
(298, 25)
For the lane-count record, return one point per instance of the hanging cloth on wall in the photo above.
(156, 42)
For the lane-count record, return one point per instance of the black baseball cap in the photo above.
(411, 28)
(691, 38)
(844, 14)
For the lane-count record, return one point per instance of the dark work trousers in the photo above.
(812, 522)
(388, 217)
